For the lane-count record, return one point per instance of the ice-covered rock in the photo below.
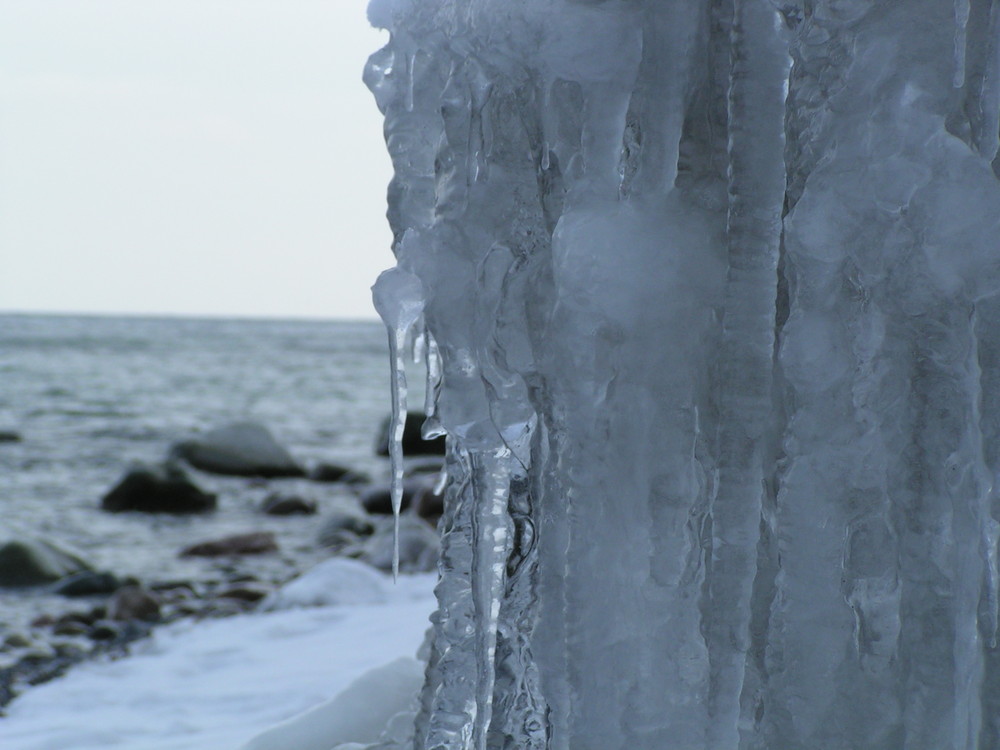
(712, 294)
(278, 504)
(331, 582)
(418, 546)
(358, 715)
(241, 449)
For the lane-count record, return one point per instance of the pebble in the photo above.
(17, 640)
(254, 543)
(247, 592)
(105, 630)
(287, 505)
(134, 603)
(87, 583)
(70, 627)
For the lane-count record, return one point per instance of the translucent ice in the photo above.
(713, 291)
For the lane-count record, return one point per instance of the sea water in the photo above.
(91, 395)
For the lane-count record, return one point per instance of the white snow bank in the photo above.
(338, 580)
(214, 685)
(358, 714)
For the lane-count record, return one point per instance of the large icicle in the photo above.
(758, 85)
(716, 356)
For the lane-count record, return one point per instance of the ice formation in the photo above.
(712, 288)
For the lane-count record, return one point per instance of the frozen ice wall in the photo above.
(711, 293)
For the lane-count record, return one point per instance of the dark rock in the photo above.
(429, 504)
(239, 449)
(105, 630)
(413, 442)
(43, 621)
(17, 640)
(287, 505)
(323, 472)
(87, 583)
(418, 546)
(423, 466)
(84, 618)
(133, 603)
(159, 489)
(378, 500)
(246, 592)
(70, 628)
(32, 562)
(333, 473)
(341, 528)
(6, 436)
(254, 543)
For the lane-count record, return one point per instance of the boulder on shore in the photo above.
(87, 583)
(33, 562)
(157, 489)
(324, 472)
(378, 500)
(254, 543)
(429, 504)
(413, 442)
(286, 505)
(246, 449)
(343, 527)
(419, 546)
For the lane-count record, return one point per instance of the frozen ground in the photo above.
(216, 684)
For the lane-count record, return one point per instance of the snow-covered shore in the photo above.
(216, 684)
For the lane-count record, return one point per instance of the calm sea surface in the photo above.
(90, 395)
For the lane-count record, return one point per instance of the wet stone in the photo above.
(105, 630)
(17, 640)
(70, 628)
(87, 583)
(254, 543)
(134, 603)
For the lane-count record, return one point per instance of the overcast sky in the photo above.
(213, 157)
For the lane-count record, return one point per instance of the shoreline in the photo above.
(223, 681)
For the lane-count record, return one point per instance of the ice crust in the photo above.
(712, 291)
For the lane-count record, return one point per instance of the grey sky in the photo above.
(190, 156)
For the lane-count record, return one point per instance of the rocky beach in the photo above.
(186, 517)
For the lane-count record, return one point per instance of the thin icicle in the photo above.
(419, 347)
(961, 24)
(491, 480)
(411, 62)
(990, 142)
(398, 298)
(991, 536)
(398, 422)
(433, 359)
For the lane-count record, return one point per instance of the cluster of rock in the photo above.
(117, 611)
(249, 449)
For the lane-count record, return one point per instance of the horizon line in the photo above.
(159, 315)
